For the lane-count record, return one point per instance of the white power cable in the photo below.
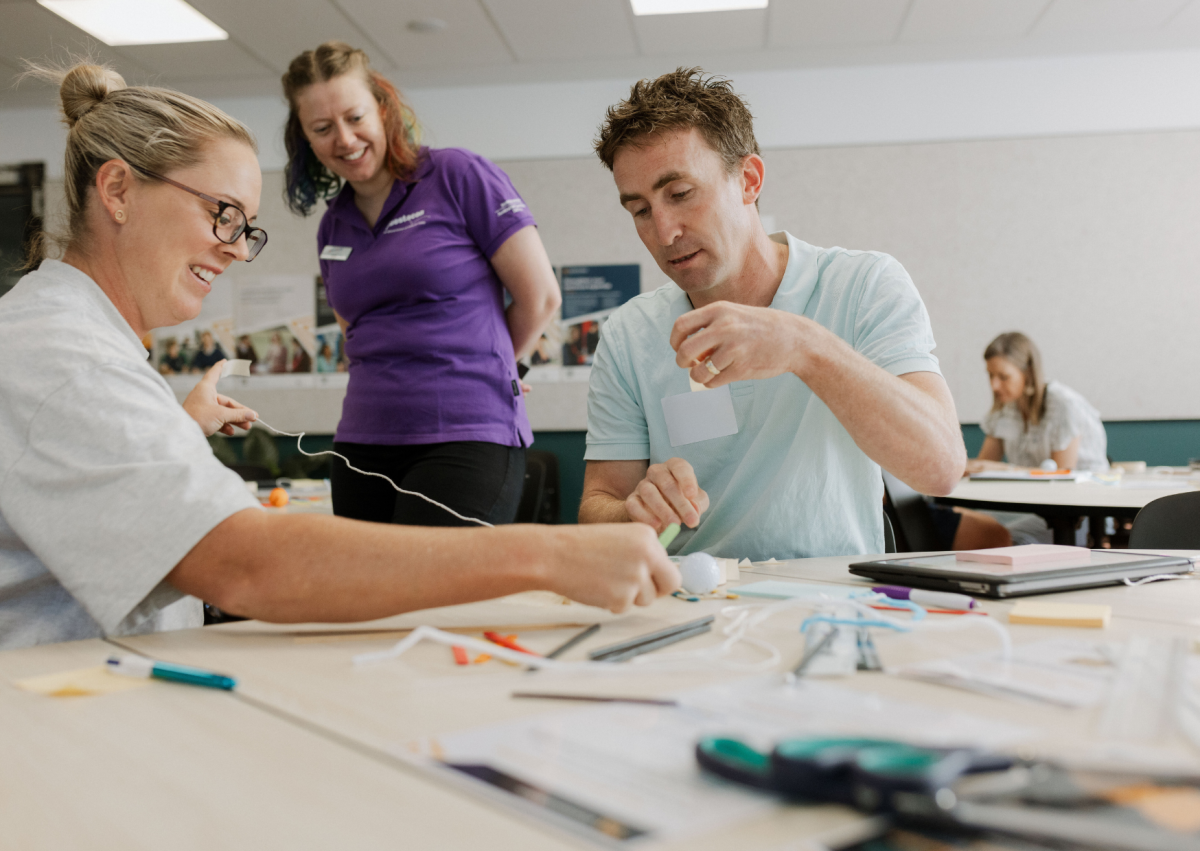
(369, 473)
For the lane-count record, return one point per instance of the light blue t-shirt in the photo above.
(791, 483)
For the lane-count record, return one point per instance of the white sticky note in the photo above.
(236, 367)
(693, 417)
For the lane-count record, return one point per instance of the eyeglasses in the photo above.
(230, 221)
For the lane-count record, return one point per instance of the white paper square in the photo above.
(692, 417)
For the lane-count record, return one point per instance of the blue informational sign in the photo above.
(588, 290)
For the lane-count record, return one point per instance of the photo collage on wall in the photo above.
(282, 324)
(589, 296)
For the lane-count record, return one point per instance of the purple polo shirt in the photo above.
(431, 360)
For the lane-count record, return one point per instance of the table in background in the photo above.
(1062, 504)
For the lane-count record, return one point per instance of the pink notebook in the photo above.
(1021, 556)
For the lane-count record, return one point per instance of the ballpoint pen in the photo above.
(139, 666)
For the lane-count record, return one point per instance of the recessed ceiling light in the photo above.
(679, 7)
(427, 25)
(118, 22)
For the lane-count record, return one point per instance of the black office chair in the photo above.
(910, 516)
(540, 502)
(1168, 523)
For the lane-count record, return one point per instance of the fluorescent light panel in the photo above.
(679, 7)
(118, 22)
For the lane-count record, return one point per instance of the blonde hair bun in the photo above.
(84, 87)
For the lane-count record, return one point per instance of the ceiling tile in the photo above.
(809, 23)
(469, 37)
(970, 20)
(201, 60)
(1085, 17)
(28, 31)
(679, 35)
(542, 30)
(277, 33)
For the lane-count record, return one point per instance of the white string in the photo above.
(743, 619)
(1159, 577)
(399, 489)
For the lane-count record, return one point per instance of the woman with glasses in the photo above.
(115, 517)
(419, 248)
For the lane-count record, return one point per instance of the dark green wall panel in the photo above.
(1166, 442)
(1157, 442)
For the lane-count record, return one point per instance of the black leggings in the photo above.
(481, 480)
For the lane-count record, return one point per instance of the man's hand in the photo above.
(668, 494)
(741, 342)
(213, 411)
(614, 566)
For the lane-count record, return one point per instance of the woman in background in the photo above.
(418, 247)
(1033, 421)
(1034, 424)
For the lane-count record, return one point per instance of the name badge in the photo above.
(335, 252)
(693, 417)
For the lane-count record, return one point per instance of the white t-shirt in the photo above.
(105, 482)
(1068, 415)
(791, 483)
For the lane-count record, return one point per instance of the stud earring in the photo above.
(119, 215)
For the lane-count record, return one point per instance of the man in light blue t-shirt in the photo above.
(817, 363)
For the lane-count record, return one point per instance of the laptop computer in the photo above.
(943, 572)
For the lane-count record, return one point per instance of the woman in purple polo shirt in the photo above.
(417, 248)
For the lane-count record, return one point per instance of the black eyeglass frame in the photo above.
(255, 248)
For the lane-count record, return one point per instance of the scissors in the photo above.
(873, 775)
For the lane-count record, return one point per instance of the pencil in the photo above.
(594, 698)
(572, 641)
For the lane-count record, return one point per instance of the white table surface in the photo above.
(1085, 495)
(302, 757)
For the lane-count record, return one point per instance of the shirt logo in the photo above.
(512, 205)
(405, 222)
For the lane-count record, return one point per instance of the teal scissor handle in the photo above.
(735, 760)
(875, 775)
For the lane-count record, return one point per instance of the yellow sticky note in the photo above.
(79, 683)
(1060, 614)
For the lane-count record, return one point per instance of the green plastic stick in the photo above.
(668, 535)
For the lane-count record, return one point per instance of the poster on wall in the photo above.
(195, 345)
(274, 323)
(330, 342)
(268, 320)
(590, 294)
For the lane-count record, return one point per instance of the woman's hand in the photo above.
(213, 411)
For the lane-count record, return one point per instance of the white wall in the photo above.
(800, 108)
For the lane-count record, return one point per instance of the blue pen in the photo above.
(138, 666)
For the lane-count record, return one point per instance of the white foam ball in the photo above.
(701, 573)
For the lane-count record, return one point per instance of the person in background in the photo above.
(115, 517)
(301, 361)
(245, 351)
(277, 354)
(326, 362)
(1033, 424)
(210, 352)
(172, 363)
(418, 246)
(1034, 421)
